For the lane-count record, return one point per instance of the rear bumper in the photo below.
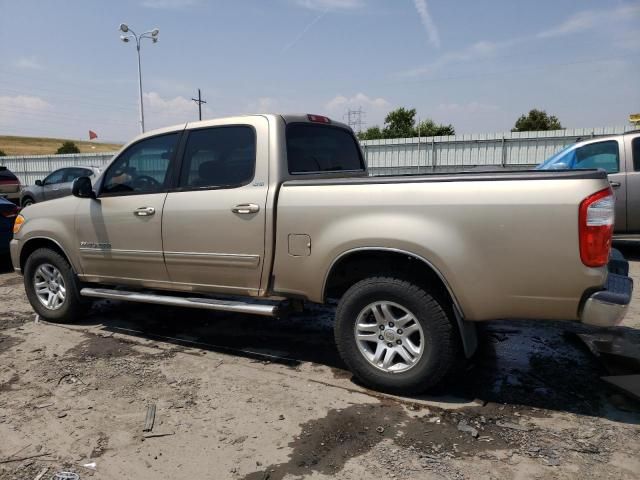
(11, 196)
(608, 307)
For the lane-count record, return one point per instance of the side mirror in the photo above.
(82, 188)
(39, 183)
(559, 166)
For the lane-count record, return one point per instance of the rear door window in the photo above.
(55, 177)
(635, 148)
(219, 157)
(321, 148)
(73, 173)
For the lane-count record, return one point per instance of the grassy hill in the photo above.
(12, 145)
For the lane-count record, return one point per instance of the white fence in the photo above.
(446, 154)
(30, 168)
(387, 157)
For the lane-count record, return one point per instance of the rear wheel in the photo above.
(52, 288)
(395, 336)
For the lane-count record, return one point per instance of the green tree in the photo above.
(68, 147)
(371, 133)
(537, 120)
(429, 128)
(399, 123)
(2, 154)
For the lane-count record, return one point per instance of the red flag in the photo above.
(92, 135)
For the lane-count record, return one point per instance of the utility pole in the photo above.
(355, 119)
(199, 101)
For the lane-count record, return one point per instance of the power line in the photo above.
(355, 119)
(199, 101)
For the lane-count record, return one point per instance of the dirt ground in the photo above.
(249, 398)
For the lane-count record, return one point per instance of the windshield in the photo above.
(561, 160)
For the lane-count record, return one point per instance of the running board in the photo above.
(203, 303)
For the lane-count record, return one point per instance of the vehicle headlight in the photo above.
(17, 225)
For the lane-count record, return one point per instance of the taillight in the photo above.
(318, 119)
(9, 212)
(596, 219)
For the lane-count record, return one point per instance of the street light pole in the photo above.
(153, 35)
(140, 90)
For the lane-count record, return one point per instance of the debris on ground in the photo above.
(41, 473)
(150, 418)
(65, 476)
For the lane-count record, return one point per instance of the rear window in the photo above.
(321, 148)
(635, 146)
(6, 174)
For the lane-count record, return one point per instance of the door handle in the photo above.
(246, 208)
(615, 184)
(144, 211)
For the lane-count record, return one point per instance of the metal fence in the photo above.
(30, 168)
(400, 156)
(387, 157)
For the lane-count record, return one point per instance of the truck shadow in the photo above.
(535, 364)
(629, 249)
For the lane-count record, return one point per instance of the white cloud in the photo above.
(478, 50)
(589, 19)
(29, 63)
(22, 103)
(303, 31)
(427, 21)
(169, 4)
(330, 4)
(359, 100)
(263, 105)
(22, 112)
(607, 20)
(162, 112)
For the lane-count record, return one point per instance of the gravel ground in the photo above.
(240, 397)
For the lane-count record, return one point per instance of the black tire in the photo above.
(441, 340)
(74, 306)
(27, 201)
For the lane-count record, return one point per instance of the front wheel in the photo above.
(52, 287)
(395, 336)
(27, 201)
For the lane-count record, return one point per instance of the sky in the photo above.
(476, 65)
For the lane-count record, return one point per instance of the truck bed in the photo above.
(505, 242)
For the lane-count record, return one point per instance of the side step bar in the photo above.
(204, 303)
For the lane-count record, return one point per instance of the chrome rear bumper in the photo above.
(608, 307)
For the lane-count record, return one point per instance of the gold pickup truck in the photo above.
(261, 213)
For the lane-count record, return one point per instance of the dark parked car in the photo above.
(8, 212)
(9, 185)
(57, 184)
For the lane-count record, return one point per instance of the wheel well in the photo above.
(33, 245)
(362, 264)
(359, 265)
(25, 198)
